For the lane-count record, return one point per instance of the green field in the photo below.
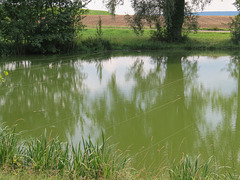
(125, 39)
(97, 12)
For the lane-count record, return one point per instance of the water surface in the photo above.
(156, 105)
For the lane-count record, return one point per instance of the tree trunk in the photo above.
(176, 21)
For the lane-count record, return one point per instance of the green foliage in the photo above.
(8, 146)
(53, 158)
(164, 17)
(237, 4)
(167, 15)
(160, 34)
(189, 170)
(47, 157)
(6, 49)
(40, 26)
(2, 77)
(235, 29)
(99, 28)
(92, 44)
(235, 25)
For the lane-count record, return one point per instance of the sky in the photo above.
(216, 5)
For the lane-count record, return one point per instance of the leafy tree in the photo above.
(235, 25)
(173, 14)
(41, 25)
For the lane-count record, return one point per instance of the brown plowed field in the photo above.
(119, 21)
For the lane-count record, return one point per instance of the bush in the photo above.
(40, 26)
(235, 29)
(235, 25)
(6, 49)
(95, 45)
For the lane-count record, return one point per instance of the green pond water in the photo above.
(155, 106)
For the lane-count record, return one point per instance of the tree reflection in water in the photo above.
(143, 102)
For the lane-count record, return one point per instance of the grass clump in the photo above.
(188, 169)
(8, 146)
(47, 157)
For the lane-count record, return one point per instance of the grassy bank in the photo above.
(48, 158)
(125, 39)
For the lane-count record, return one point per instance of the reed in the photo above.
(188, 169)
(46, 154)
(8, 146)
(48, 158)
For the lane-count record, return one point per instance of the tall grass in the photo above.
(47, 157)
(188, 169)
(8, 146)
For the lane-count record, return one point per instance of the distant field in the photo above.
(97, 12)
(212, 22)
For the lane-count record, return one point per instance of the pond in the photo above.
(154, 106)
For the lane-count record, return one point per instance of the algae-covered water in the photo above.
(154, 106)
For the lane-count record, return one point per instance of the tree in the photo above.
(174, 13)
(40, 25)
(235, 25)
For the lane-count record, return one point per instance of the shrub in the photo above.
(95, 45)
(235, 29)
(40, 26)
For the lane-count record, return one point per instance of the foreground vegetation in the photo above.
(48, 158)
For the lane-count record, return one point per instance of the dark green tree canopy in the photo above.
(40, 25)
(167, 15)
